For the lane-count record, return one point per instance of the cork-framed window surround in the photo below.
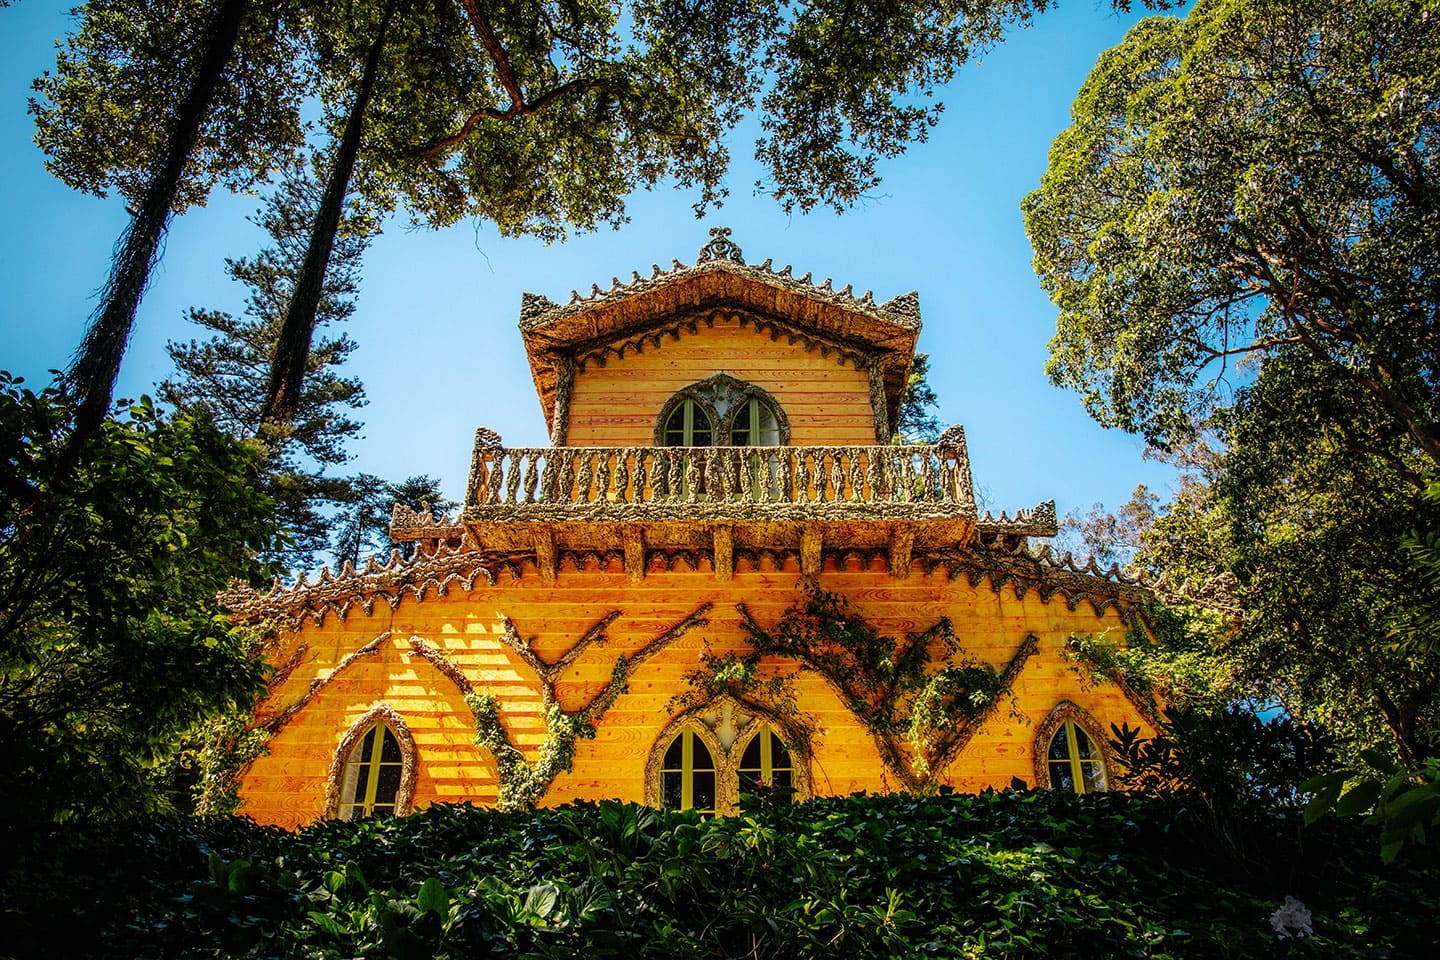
(374, 768)
(704, 760)
(1070, 751)
(722, 411)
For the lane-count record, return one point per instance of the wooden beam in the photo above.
(902, 545)
(545, 555)
(810, 543)
(634, 539)
(724, 542)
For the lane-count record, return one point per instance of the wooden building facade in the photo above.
(623, 614)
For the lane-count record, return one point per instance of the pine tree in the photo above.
(364, 524)
(227, 371)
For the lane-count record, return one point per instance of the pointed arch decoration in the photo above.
(381, 713)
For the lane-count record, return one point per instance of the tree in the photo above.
(1263, 175)
(364, 524)
(1110, 538)
(226, 373)
(160, 101)
(539, 119)
(1254, 187)
(916, 424)
(112, 645)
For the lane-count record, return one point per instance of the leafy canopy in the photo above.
(1261, 175)
(537, 117)
(225, 373)
(112, 646)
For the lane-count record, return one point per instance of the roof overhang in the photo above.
(855, 328)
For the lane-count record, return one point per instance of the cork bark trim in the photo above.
(409, 758)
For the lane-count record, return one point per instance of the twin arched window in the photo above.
(722, 411)
(715, 756)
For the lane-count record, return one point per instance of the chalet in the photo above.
(722, 574)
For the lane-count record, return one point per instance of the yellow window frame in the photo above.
(1072, 732)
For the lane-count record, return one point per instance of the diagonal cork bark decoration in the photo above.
(523, 783)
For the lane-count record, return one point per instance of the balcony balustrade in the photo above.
(714, 483)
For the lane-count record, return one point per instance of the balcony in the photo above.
(550, 499)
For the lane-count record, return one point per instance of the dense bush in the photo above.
(1013, 874)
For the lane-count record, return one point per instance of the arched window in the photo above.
(765, 764)
(687, 777)
(372, 775)
(374, 770)
(1068, 753)
(1075, 761)
(706, 759)
(755, 424)
(688, 425)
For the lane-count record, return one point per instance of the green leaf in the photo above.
(1359, 798)
(433, 897)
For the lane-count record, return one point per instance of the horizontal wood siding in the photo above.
(827, 403)
(287, 786)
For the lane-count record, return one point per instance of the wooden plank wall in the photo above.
(827, 403)
(287, 786)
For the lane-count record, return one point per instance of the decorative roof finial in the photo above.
(720, 247)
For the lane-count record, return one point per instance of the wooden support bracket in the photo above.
(634, 540)
(545, 555)
(810, 543)
(902, 545)
(724, 543)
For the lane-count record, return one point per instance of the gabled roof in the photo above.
(627, 315)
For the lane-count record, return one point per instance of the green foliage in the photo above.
(1258, 177)
(1404, 804)
(916, 697)
(1231, 758)
(1033, 875)
(363, 524)
(112, 646)
(1179, 668)
(521, 784)
(103, 115)
(741, 678)
(1109, 539)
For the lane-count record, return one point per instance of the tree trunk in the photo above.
(292, 347)
(92, 375)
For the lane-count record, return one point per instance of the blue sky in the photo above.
(439, 350)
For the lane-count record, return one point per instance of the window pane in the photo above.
(700, 758)
(1060, 776)
(390, 751)
(387, 786)
(670, 795)
(779, 756)
(700, 434)
(703, 792)
(675, 755)
(751, 760)
(767, 431)
(1094, 774)
(1060, 745)
(1084, 744)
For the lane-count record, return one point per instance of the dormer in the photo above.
(718, 408)
(720, 353)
